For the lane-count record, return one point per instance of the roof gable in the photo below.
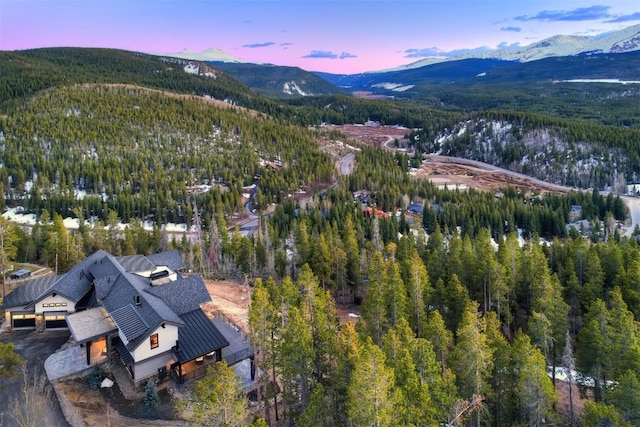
(76, 283)
(128, 289)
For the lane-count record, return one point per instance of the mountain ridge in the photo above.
(625, 40)
(213, 54)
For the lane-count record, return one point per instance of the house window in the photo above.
(154, 341)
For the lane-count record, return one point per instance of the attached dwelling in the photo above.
(137, 309)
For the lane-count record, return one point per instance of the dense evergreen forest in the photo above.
(462, 309)
(140, 153)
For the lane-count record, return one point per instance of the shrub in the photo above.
(151, 397)
(95, 378)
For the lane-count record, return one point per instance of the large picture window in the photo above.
(154, 341)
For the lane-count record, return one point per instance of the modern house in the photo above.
(138, 309)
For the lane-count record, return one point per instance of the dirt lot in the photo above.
(372, 134)
(448, 171)
(231, 299)
(451, 171)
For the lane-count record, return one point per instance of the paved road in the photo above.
(34, 347)
(347, 164)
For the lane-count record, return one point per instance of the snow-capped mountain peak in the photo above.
(625, 40)
(213, 54)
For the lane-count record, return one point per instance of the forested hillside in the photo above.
(140, 153)
(586, 86)
(568, 152)
(464, 308)
(277, 81)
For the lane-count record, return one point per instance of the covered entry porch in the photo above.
(92, 330)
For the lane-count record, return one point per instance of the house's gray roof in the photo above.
(133, 263)
(105, 266)
(29, 291)
(129, 322)
(116, 292)
(171, 259)
(76, 283)
(416, 208)
(198, 337)
(183, 295)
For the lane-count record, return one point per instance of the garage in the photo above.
(55, 319)
(23, 320)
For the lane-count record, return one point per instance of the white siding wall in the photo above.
(70, 308)
(167, 338)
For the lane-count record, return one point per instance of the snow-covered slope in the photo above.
(625, 40)
(213, 54)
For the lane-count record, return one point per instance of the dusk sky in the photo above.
(341, 36)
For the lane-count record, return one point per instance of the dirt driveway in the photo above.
(34, 348)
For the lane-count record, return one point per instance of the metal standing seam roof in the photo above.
(198, 337)
(29, 291)
(126, 357)
(129, 322)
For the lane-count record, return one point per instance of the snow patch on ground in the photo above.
(396, 87)
(616, 81)
(17, 216)
(292, 88)
(563, 374)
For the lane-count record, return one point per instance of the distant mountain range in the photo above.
(584, 58)
(214, 54)
(626, 40)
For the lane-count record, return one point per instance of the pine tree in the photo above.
(369, 395)
(151, 396)
(533, 387)
(8, 250)
(218, 399)
(374, 312)
(419, 291)
(471, 359)
(569, 364)
(263, 322)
